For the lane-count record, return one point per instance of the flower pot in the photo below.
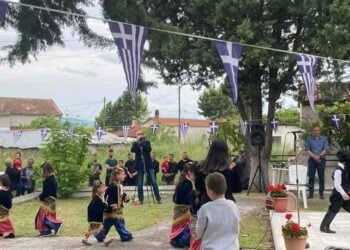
(295, 243)
(280, 204)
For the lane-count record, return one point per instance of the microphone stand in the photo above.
(297, 176)
(147, 177)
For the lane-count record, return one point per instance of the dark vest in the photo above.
(345, 178)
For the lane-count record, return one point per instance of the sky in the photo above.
(77, 78)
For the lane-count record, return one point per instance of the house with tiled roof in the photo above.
(15, 112)
(197, 128)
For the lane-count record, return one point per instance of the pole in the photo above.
(104, 112)
(179, 114)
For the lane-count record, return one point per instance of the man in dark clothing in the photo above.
(185, 159)
(14, 176)
(143, 165)
(111, 163)
(95, 169)
(131, 173)
(172, 171)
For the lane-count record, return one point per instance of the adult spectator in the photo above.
(131, 173)
(27, 177)
(15, 177)
(185, 159)
(155, 165)
(143, 165)
(169, 175)
(217, 160)
(316, 146)
(110, 164)
(95, 170)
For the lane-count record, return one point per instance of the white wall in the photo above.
(17, 120)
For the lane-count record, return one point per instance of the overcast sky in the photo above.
(78, 78)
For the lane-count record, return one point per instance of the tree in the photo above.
(214, 104)
(123, 110)
(43, 122)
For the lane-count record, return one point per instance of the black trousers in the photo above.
(337, 203)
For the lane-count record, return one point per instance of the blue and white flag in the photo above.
(230, 53)
(70, 131)
(3, 9)
(184, 129)
(99, 133)
(336, 121)
(126, 131)
(213, 127)
(44, 132)
(274, 125)
(16, 136)
(244, 126)
(130, 40)
(154, 128)
(307, 69)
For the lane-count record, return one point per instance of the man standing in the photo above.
(155, 165)
(183, 161)
(317, 147)
(111, 163)
(172, 170)
(95, 170)
(143, 165)
(130, 171)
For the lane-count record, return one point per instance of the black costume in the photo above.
(15, 179)
(6, 226)
(49, 188)
(95, 209)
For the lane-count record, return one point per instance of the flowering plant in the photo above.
(292, 229)
(277, 191)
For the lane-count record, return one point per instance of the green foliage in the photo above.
(122, 111)
(287, 116)
(68, 155)
(213, 103)
(43, 122)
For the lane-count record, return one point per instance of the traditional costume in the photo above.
(46, 221)
(6, 228)
(114, 213)
(341, 177)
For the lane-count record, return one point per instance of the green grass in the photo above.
(73, 214)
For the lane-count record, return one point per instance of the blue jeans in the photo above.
(313, 166)
(119, 225)
(153, 183)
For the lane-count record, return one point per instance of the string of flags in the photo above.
(213, 127)
(126, 131)
(44, 132)
(184, 129)
(16, 136)
(154, 128)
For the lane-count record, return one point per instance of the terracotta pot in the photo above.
(280, 204)
(295, 243)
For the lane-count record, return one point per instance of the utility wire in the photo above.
(172, 32)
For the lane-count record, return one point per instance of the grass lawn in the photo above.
(73, 213)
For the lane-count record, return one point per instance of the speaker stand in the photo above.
(261, 176)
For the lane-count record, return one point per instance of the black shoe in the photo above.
(10, 236)
(159, 201)
(321, 196)
(327, 220)
(311, 196)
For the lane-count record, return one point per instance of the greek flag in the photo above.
(126, 131)
(99, 133)
(336, 120)
(70, 132)
(154, 128)
(3, 9)
(230, 54)
(16, 136)
(130, 40)
(44, 132)
(213, 127)
(274, 125)
(307, 69)
(184, 129)
(244, 126)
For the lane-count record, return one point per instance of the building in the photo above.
(15, 112)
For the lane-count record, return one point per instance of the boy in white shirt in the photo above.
(218, 220)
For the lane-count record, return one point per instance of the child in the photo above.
(218, 220)
(6, 228)
(165, 168)
(46, 221)
(114, 212)
(17, 162)
(95, 212)
(180, 235)
(340, 196)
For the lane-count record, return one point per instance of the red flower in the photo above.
(294, 227)
(288, 216)
(270, 188)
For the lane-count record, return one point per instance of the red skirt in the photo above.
(45, 213)
(6, 227)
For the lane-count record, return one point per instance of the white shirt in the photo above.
(337, 179)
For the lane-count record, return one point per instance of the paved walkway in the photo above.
(150, 238)
(316, 239)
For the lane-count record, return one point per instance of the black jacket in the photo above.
(49, 188)
(96, 209)
(5, 199)
(156, 166)
(142, 149)
(113, 195)
(14, 176)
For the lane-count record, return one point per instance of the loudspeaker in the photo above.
(257, 134)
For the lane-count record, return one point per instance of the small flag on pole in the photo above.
(230, 53)
(130, 40)
(336, 121)
(70, 131)
(307, 68)
(3, 10)
(213, 127)
(44, 132)
(16, 136)
(154, 128)
(244, 126)
(99, 133)
(126, 131)
(274, 125)
(184, 129)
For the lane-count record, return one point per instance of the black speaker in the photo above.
(257, 133)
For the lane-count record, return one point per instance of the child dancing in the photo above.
(6, 228)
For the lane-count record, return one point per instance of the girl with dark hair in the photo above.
(180, 235)
(95, 213)
(6, 228)
(46, 221)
